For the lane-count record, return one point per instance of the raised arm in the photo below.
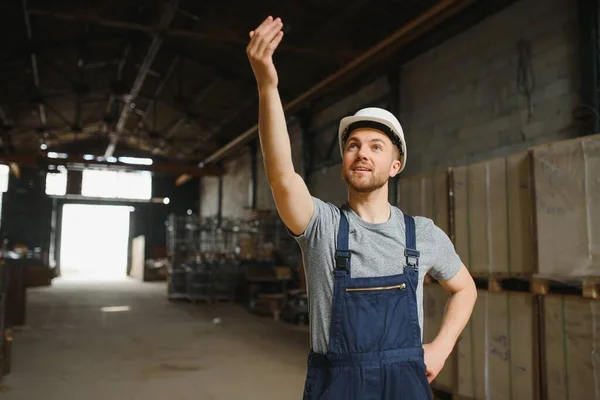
(293, 200)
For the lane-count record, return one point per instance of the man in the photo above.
(365, 261)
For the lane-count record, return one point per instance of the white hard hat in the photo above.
(376, 118)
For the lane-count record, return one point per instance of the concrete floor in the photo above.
(71, 349)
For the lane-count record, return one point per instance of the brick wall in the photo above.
(460, 101)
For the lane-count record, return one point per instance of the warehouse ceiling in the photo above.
(168, 78)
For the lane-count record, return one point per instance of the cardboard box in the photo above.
(426, 195)
(497, 356)
(492, 216)
(434, 304)
(571, 363)
(567, 207)
(283, 273)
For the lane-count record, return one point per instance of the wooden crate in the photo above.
(498, 353)
(426, 195)
(570, 335)
(566, 194)
(491, 215)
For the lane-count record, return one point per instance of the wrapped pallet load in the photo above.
(571, 334)
(492, 216)
(567, 207)
(426, 195)
(497, 354)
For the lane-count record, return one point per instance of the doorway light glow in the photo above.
(135, 160)
(52, 154)
(115, 309)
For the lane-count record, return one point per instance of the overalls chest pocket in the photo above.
(396, 290)
(377, 311)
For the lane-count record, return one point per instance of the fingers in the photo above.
(265, 39)
(251, 46)
(268, 33)
(274, 43)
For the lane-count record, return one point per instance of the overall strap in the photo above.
(411, 253)
(342, 253)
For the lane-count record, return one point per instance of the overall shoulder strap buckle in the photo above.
(412, 257)
(342, 253)
(342, 260)
(411, 253)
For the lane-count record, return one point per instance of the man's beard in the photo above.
(365, 184)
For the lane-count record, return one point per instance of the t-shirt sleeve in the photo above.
(320, 223)
(446, 262)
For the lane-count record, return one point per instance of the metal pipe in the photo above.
(418, 26)
(253, 184)
(394, 105)
(588, 23)
(220, 202)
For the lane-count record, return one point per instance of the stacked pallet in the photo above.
(528, 228)
(426, 195)
(567, 234)
(492, 214)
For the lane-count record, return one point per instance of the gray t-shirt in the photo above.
(377, 250)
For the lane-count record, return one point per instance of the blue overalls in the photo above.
(375, 349)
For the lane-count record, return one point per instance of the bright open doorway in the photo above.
(94, 242)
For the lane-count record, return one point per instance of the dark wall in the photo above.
(27, 211)
(181, 199)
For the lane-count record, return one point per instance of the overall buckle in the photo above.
(410, 255)
(342, 260)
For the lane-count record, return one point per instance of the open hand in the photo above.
(435, 358)
(263, 42)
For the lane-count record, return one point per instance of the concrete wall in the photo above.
(327, 184)
(209, 196)
(236, 183)
(460, 101)
(236, 187)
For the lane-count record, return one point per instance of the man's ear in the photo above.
(395, 168)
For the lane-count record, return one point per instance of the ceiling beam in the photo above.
(408, 32)
(80, 87)
(228, 37)
(197, 98)
(159, 90)
(34, 65)
(38, 160)
(166, 19)
(245, 82)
